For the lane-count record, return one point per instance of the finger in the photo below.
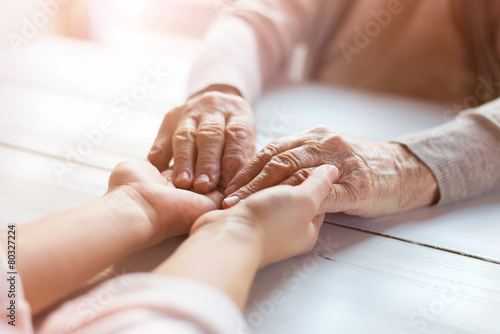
(184, 147)
(210, 145)
(278, 169)
(162, 152)
(339, 199)
(319, 184)
(239, 147)
(298, 177)
(167, 174)
(255, 166)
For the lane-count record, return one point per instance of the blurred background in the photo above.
(66, 65)
(149, 24)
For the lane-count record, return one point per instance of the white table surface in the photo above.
(432, 270)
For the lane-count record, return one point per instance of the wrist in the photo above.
(225, 89)
(221, 252)
(416, 176)
(225, 225)
(132, 215)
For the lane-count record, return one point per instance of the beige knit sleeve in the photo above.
(253, 42)
(463, 154)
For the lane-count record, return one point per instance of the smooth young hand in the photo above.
(170, 212)
(282, 221)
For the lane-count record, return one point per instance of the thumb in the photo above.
(318, 184)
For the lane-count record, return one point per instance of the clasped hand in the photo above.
(282, 222)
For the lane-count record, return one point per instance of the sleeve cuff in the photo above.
(463, 154)
(230, 56)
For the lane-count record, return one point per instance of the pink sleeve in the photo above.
(253, 44)
(148, 303)
(16, 314)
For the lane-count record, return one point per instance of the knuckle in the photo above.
(289, 159)
(335, 139)
(336, 142)
(210, 131)
(300, 176)
(321, 129)
(281, 165)
(239, 132)
(268, 152)
(184, 135)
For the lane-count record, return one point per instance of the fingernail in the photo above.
(231, 189)
(182, 177)
(203, 178)
(231, 201)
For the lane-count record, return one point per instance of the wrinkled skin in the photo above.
(375, 179)
(211, 137)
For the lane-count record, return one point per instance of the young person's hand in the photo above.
(140, 209)
(168, 211)
(227, 247)
(281, 221)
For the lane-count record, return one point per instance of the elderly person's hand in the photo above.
(375, 179)
(210, 138)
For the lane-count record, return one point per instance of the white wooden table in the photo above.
(433, 270)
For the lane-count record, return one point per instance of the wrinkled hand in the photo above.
(283, 221)
(375, 179)
(210, 138)
(170, 212)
